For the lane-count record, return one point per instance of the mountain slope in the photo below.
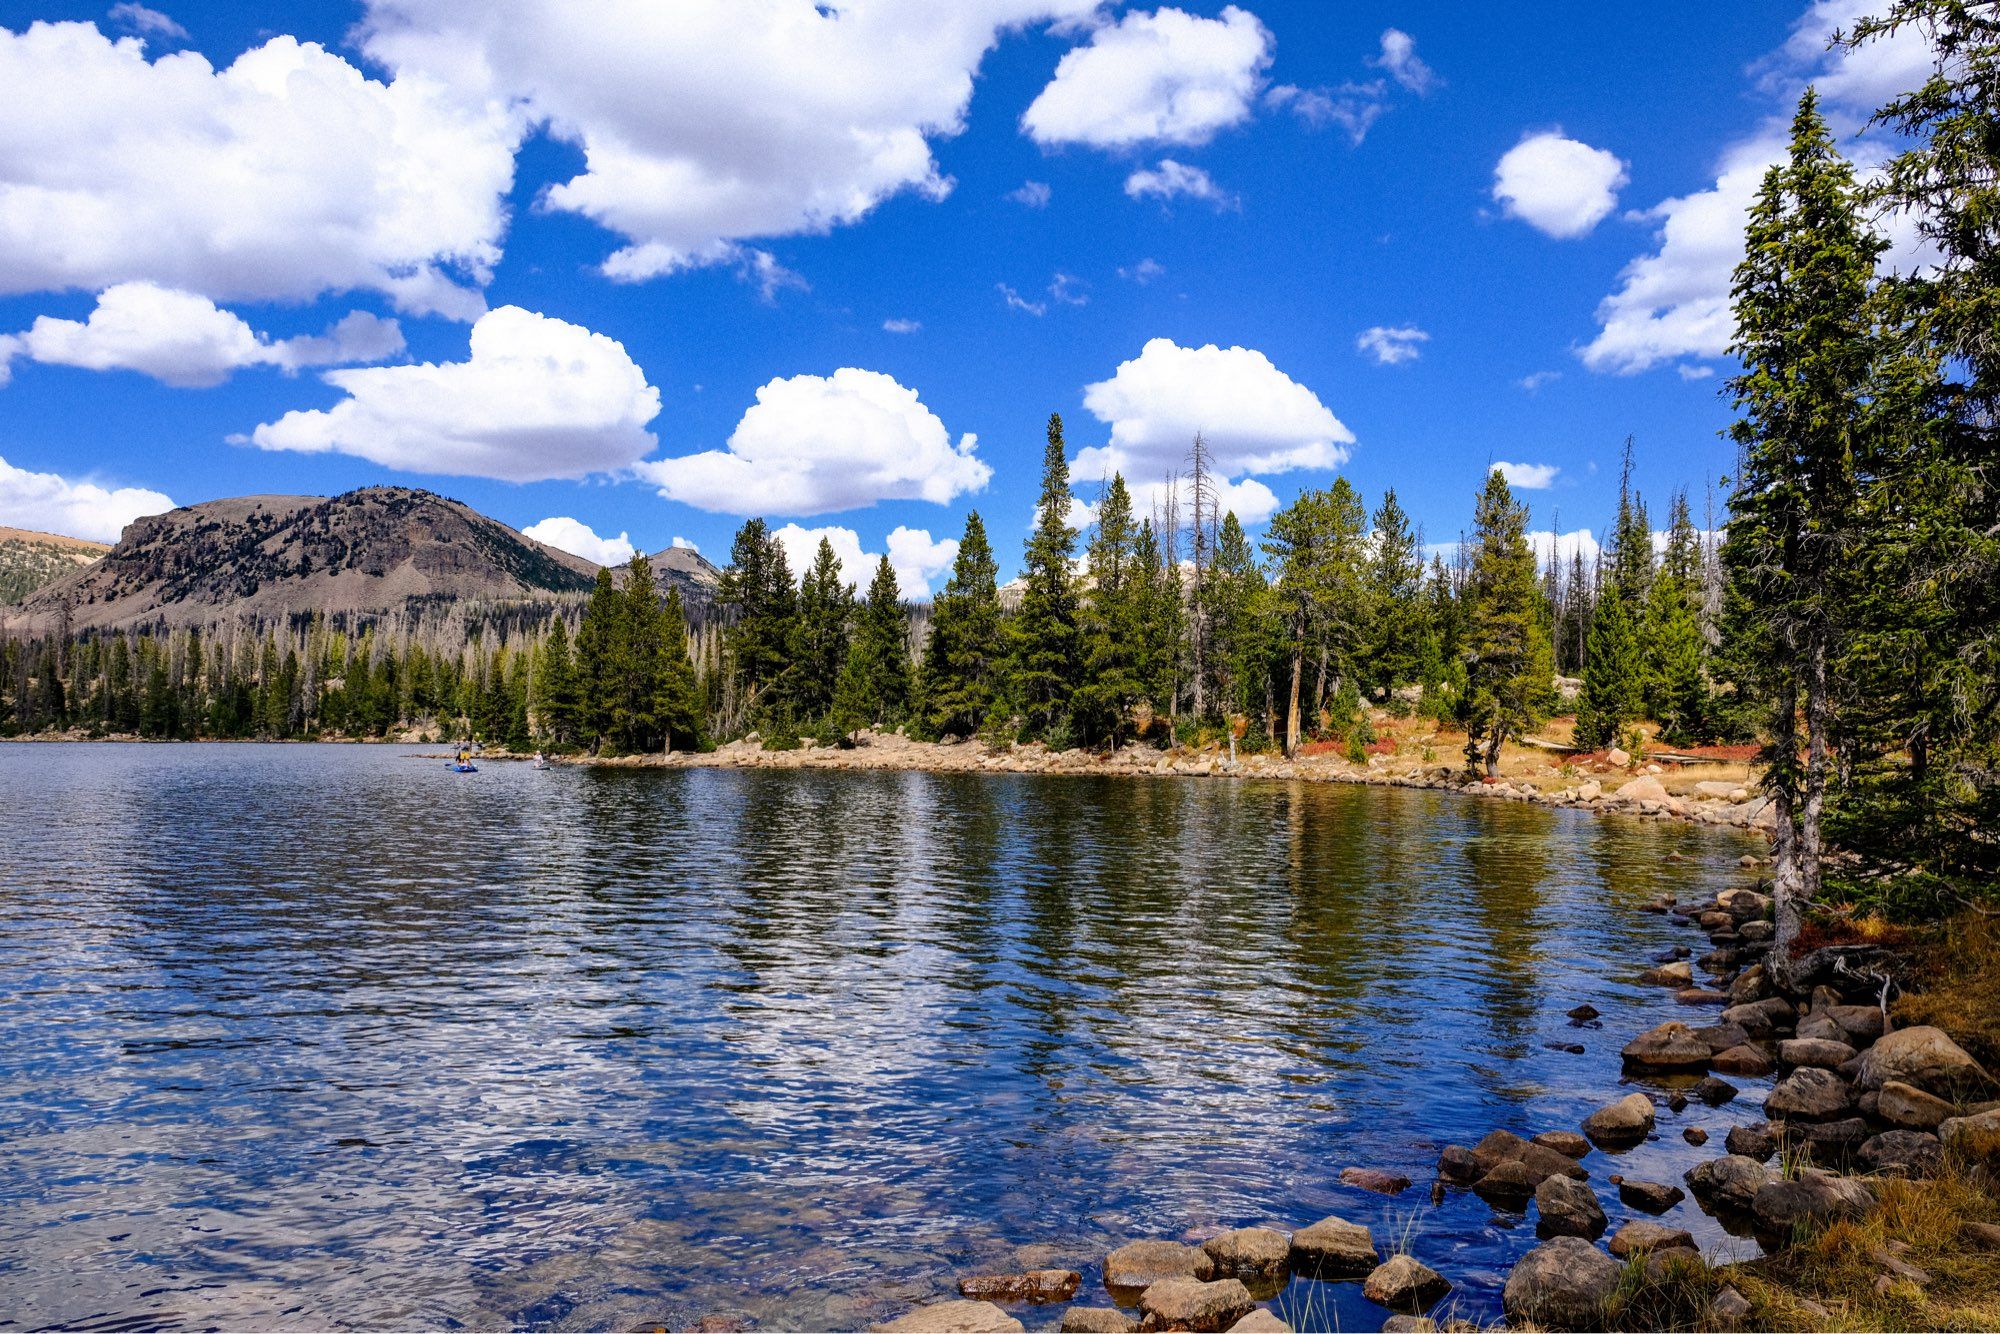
(375, 550)
(31, 560)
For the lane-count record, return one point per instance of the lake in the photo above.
(308, 1036)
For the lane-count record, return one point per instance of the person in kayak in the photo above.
(464, 756)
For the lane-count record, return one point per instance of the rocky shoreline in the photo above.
(1858, 1101)
(1627, 790)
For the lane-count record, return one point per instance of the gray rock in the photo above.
(1640, 1236)
(1509, 1185)
(1721, 1037)
(1752, 984)
(1248, 1252)
(1189, 1303)
(1726, 1310)
(1626, 1121)
(1668, 1046)
(1820, 1026)
(1811, 1197)
(1829, 1141)
(1565, 1142)
(1823, 1053)
(1925, 1057)
(1903, 1153)
(1810, 1095)
(1140, 1264)
(1862, 1023)
(1567, 1208)
(1727, 1184)
(1762, 1019)
(1097, 1320)
(956, 1317)
(1333, 1248)
(1505, 1146)
(1652, 1196)
(1746, 1060)
(1757, 1143)
(1715, 1092)
(1561, 1284)
(1260, 1321)
(1460, 1165)
(1678, 974)
(1369, 1178)
(1976, 1139)
(1401, 1283)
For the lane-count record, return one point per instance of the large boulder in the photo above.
(1654, 1197)
(958, 1317)
(1810, 1095)
(1909, 1107)
(1140, 1264)
(1505, 1146)
(1624, 1122)
(1333, 1248)
(1668, 1046)
(1508, 1185)
(1567, 1208)
(1925, 1057)
(1821, 1053)
(1561, 1284)
(1976, 1139)
(1902, 1153)
(1729, 1184)
(1097, 1320)
(1763, 1019)
(1189, 1303)
(1248, 1252)
(1565, 1142)
(1811, 1197)
(1640, 1237)
(1039, 1286)
(1756, 1143)
(1402, 1283)
(1748, 1061)
(1643, 788)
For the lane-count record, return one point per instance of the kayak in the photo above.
(461, 768)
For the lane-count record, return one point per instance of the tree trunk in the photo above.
(1787, 881)
(1818, 715)
(1292, 709)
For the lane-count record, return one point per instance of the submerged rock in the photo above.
(1403, 1284)
(1140, 1264)
(957, 1317)
(1668, 1046)
(1561, 1284)
(1624, 1122)
(1369, 1178)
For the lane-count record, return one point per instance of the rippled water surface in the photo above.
(311, 1036)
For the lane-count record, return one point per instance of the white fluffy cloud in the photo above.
(1399, 58)
(1255, 419)
(183, 339)
(706, 124)
(579, 539)
(287, 174)
(1563, 546)
(1392, 346)
(915, 556)
(1167, 77)
(1172, 179)
(814, 444)
(1529, 476)
(537, 398)
(50, 503)
(1557, 185)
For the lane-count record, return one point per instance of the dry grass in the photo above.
(1834, 1279)
(1957, 968)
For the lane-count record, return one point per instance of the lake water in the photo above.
(327, 1036)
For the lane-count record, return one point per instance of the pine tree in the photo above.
(874, 685)
(1159, 608)
(758, 601)
(825, 624)
(1507, 654)
(677, 698)
(1240, 646)
(1804, 340)
(558, 703)
(1046, 659)
(1614, 672)
(1395, 586)
(596, 644)
(1111, 638)
(1677, 685)
(963, 660)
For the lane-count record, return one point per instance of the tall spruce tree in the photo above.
(760, 605)
(558, 702)
(1804, 338)
(1677, 685)
(1114, 603)
(963, 660)
(597, 642)
(1614, 673)
(1508, 662)
(677, 699)
(874, 687)
(1395, 579)
(825, 625)
(1046, 657)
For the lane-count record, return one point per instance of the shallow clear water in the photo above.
(310, 1036)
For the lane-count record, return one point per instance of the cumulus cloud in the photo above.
(50, 503)
(1547, 543)
(915, 556)
(183, 339)
(1557, 185)
(287, 174)
(1255, 419)
(1399, 58)
(1167, 77)
(707, 124)
(681, 543)
(537, 398)
(149, 22)
(1392, 346)
(1032, 194)
(1172, 179)
(814, 444)
(1529, 476)
(577, 538)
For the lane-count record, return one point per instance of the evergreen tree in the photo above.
(876, 679)
(558, 703)
(1506, 652)
(597, 638)
(1395, 579)
(963, 660)
(1804, 339)
(1677, 684)
(1111, 635)
(677, 699)
(1240, 647)
(757, 599)
(1614, 672)
(1159, 609)
(1046, 661)
(825, 624)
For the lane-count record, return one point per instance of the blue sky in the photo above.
(767, 209)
